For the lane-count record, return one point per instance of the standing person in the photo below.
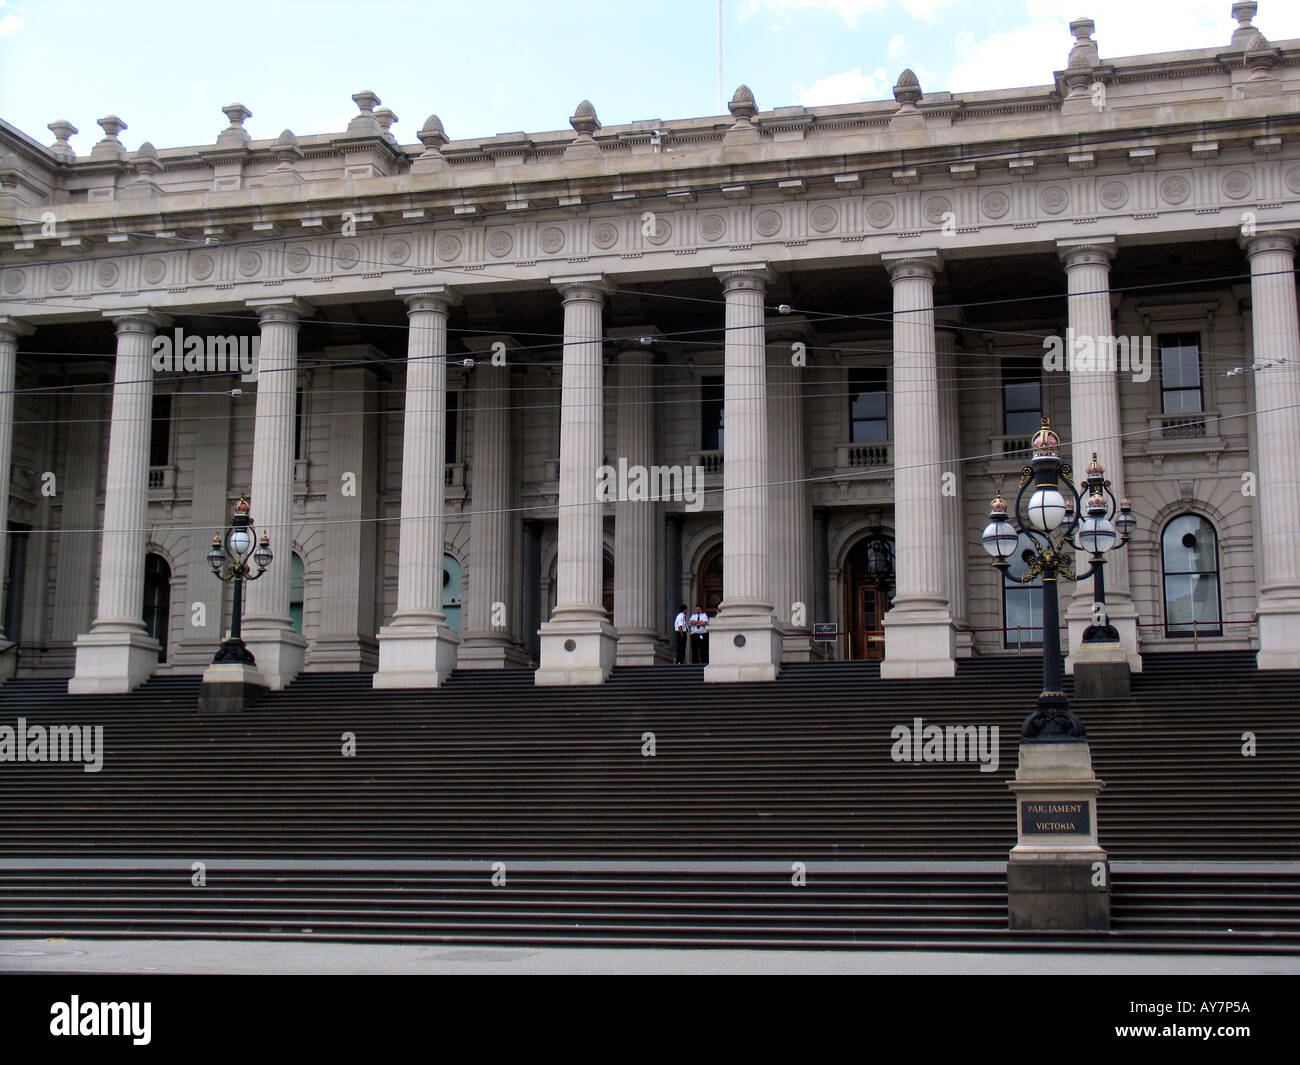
(679, 631)
(700, 636)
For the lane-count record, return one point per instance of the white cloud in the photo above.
(849, 10)
(847, 87)
(896, 44)
(9, 25)
(926, 10)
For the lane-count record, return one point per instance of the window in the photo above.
(1022, 397)
(160, 431)
(299, 417)
(1180, 373)
(868, 405)
(453, 412)
(711, 397)
(1022, 604)
(157, 600)
(1190, 551)
(295, 591)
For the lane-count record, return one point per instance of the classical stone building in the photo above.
(454, 337)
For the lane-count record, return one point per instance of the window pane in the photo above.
(1183, 400)
(160, 431)
(1189, 546)
(869, 432)
(1022, 422)
(1024, 609)
(868, 405)
(1022, 395)
(711, 413)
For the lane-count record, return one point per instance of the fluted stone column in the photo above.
(788, 499)
(956, 536)
(578, 644)
(487, 641)
(919, 637)
(117, 655)
(417, 649)
(268, 627)
(1095, 425)
(1277, 435)
(10, 330)
(744, 639)
(636, 591)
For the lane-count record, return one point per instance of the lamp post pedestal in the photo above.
(1058, 877)
(230, 687)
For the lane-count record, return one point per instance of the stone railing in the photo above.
(709, 461)
(864, 456)
(453, 475)
(1182, 426)
(162, 483)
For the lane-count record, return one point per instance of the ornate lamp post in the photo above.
(1108, 527)
(230, 562)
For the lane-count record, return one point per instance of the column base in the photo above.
(641, 648)
(743, 648)
(490, 650)
(919, 643)
(1279, 638)
(229, 688)
(280, 654)
(113, 662)
(415, 656)
(576, 652)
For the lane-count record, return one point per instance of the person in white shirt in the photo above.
(699, 623)
(679, 630)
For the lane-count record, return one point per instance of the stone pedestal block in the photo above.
(415, 656)
(113, 662)
(743, 647)
(919, 643)
(576, 652)
(1101, 671)
(229, 688)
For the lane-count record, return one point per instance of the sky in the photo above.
(167, 67)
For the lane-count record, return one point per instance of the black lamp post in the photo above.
(230, 562)
(1049, 520)
(1108, 527)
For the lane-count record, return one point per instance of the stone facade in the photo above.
(455, 338)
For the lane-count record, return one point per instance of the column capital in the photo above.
(281, 309)
(12, 328)
(1269, 240)
(428, 297)
(1086, 251)
(736, 277)
(592, 287)
(912, 264)
(137, 320)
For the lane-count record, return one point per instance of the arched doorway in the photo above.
(157, 600)
(708, 582)
(606, 585)
(451, 592)
(868, 594)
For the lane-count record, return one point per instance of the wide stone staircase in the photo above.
(653, 810)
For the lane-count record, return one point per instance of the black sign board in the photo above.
(824, 632)
(1054, 817)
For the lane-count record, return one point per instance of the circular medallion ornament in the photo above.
(15, 280)
(448, 247)
(1292, 179)
(767, 223)
(346, 256)
(297, 259)
(712, 226)
(604, 235)
(201, 267)
(936, 207)
(154, 270)
(1237, 184)
(880, 214)
(1113, 194)
(398, 252)
(249, 263)
(995, 204)
(106, 274)
(1175, 189)
(60, 278)
(823, 218)
(499, 242)
(551, 239)
(1053, 199)
(662, 231)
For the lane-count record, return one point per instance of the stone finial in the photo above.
(742, 105)
(907, 90)
(146, 161)
(1084, 54)
(386, 119)
(236, 113)
(584, 118)
(365, 122)
(433, 137)
(1243, 12)
(110, 145)
(285, 148)
(62, 130)
(1261, 56)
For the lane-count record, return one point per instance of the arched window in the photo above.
(1022, 604)
(1190, 551)
(157, 600)
(295, 591)
(451, 592)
